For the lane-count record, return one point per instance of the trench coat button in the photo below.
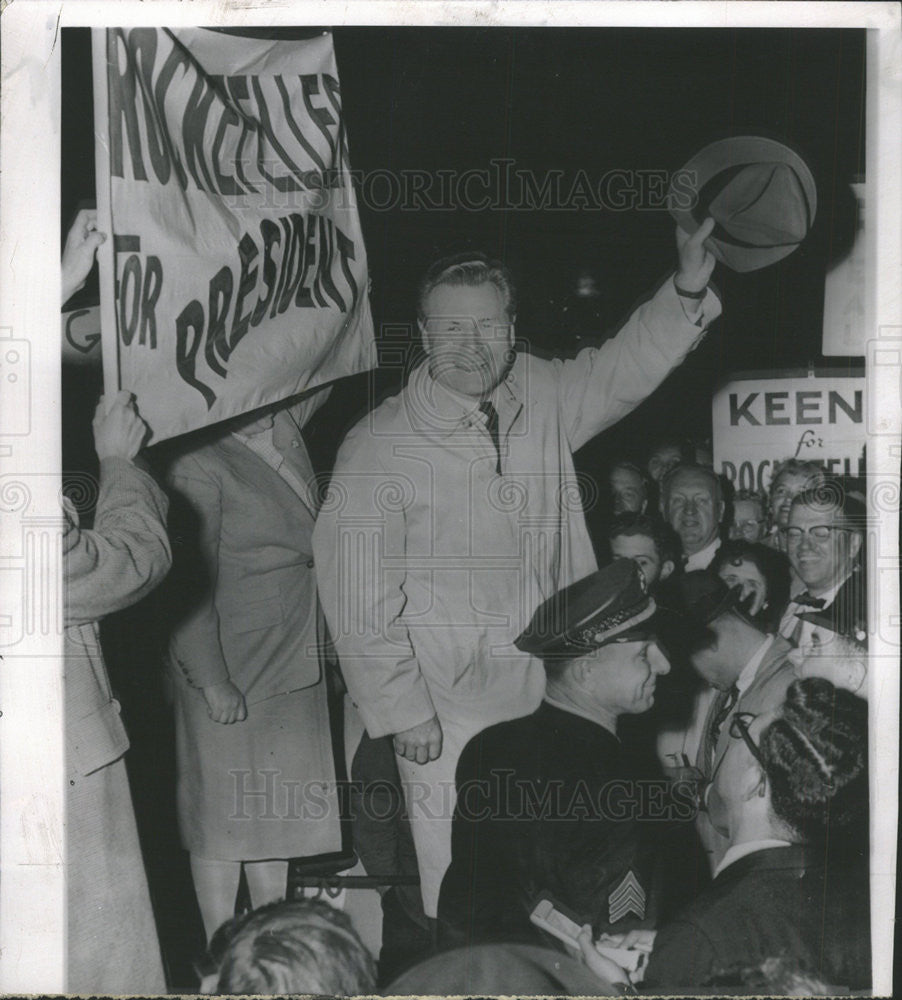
(309, 564)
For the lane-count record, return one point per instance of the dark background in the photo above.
(578, 99)
(566, 99)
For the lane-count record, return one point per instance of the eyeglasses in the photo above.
(739, 730)
(820, 532)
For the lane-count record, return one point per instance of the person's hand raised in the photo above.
(118, 430)
(82, 242)
(696, 260)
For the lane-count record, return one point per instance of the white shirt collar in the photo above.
(703, 558)
(748, 672)
(446, 410)
(829, 596)
(737, 851)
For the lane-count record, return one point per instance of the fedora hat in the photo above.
(610, 605)
(760, 193)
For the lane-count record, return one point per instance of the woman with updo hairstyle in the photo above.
(762, 572)
(816, 756)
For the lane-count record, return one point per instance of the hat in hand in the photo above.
(760, 193)
(610, 605)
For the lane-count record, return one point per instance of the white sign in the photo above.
(760, 422)
(235, 275)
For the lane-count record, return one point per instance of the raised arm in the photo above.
(601, 385)
(126, 554)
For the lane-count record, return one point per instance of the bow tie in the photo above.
(808, 601)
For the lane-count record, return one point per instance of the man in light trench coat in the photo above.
(448, 521)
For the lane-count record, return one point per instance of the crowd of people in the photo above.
(653, 717)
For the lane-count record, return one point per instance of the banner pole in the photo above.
(105, 252)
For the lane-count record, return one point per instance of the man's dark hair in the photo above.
(306, 946)
(665, 539)
(469, 269)
(816, 759)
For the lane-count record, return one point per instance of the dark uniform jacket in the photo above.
(546, 805)
(780, 902)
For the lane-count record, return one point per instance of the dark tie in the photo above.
(491, 422)
(723, 705)
(808, 601)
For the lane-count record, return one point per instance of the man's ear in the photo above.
(580, 670)
(721, 509)
(424, 336)
(854, 544)
(667, 567)
(753, 783)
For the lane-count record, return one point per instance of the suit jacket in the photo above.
(777, 902)
(545, 805)
(249, 610)
(106, 569)
(766, 692)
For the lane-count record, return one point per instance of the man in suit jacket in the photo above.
(824, 540)
(748, 668)
(256, 776)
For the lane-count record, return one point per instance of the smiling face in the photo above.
(693, 509)
(744, 573)
(821, 563)
(624, 675)
(468, 337)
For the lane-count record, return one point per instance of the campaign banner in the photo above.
(81, 336)
(236, 274)
(761, 421)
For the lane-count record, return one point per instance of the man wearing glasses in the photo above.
(823, 541)
(787, 912)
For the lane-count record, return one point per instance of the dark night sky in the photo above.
(596, 100)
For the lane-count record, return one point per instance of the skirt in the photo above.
(259, 789)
